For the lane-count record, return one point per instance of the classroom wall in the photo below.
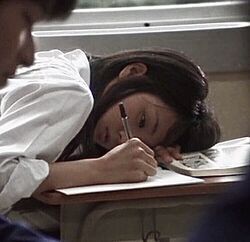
(230, 98)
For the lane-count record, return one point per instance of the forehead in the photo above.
(146, 99)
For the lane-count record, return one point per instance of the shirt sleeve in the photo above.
(37, 122)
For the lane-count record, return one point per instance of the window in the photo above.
(133, 3)
(215, 34)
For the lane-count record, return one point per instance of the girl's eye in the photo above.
(142, 121)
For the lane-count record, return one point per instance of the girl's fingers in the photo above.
(138, 143)
(148, 169)
(136, 176)
(175, 152)
(149, 159)
(168, 154)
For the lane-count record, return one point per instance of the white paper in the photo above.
(162, 178)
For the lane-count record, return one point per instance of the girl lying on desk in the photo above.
(49, 117)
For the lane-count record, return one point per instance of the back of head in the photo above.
(56, 9)
(177, 80)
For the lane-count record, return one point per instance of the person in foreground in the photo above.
(17, 48)
(16, 21)
(228, 220)
(62, 115)
(15, 232)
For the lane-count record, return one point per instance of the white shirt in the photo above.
(41, 110)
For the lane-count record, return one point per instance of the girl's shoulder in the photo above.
(56, 67)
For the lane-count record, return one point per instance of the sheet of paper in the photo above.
(162, 178)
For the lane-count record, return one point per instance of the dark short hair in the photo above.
(56, 8)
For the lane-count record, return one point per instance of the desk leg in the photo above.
(71, 220)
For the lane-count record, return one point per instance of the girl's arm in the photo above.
(42, 110)
(37, 121)
(132, 161)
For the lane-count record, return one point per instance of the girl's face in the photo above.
(148, 116)
(16, 44)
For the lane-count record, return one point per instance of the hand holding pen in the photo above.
(148, 153)
(131, 161)
(166, 154)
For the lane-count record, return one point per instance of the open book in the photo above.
(226, 158)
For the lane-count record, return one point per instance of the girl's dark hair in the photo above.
(55, 9)
(174, 78)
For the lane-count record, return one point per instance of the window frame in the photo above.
(214, 34)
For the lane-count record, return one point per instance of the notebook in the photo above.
(162, 178)
(226, 158)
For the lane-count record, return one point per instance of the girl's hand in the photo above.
(132, 161)
(167, 154)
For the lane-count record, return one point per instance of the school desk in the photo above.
(165, 212)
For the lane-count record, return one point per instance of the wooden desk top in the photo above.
(212, 185)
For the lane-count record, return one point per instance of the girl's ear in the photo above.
(134, 69)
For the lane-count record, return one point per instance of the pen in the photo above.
(125, 123)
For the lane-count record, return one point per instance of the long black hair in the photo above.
(56, 9)
(178, 81)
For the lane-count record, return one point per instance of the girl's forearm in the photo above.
(71, 174)
(131, 161)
